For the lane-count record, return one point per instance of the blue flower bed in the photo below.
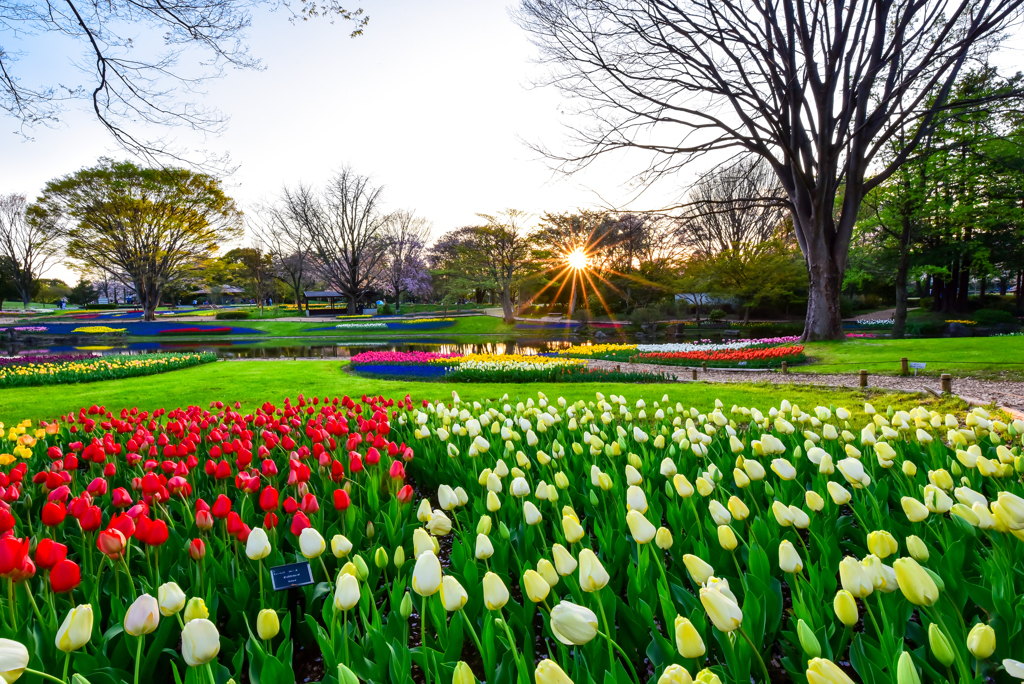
(144, 328)
(433, 325)
(395, 370)
(547, 326)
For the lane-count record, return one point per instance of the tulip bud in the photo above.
(808, 641)
(917, 548)
(916, 584)
(535, 586)
(548, 672)
(463, 675)
(405, 607)
(663, 538)
(906, 672)
(399, 557)
(171, 598)
(823, 671)
(362, 569)
(727, 538)
(195, 609)
(939, 645)
(347, 676)
(845, 608)
(981, 641)
(503, 531)
(369, 529)
(688, 640)
(267, 624)
(573, 625)
(495, 592)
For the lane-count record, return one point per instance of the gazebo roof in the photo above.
(321, 293)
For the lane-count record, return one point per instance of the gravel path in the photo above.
(1007, 394)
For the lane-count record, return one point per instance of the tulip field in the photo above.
(766, 352)
(55, 369)
(515, 540)
(500, 368)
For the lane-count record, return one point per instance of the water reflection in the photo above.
(315, 347)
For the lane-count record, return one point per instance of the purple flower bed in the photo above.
(392, 370)
(26, 328)
(42, 358)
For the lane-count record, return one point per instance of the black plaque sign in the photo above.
(291, 575)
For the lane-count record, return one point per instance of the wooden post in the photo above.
(694, 373)
(616, 368)
(785, 368)
(863, 378)
(904, 367)
(947, 383)
(704, 365)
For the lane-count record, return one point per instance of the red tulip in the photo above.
(61, 493)
(221, 507)
(124, 523)
(268, 467)
(341, 500)
(223, 471)
(121, 497)
(243, 535)
(372, 456)
(7, 521)
(26, 571)
(270, 521)
(290, 505)
(92, 519)
(202, 505)
(143, 528)
(355, 462)
(65, 576)
(53, 513)
(13, 552)
(309, 504)
(98, 487)
(397, 470)
(405, 494)
(299, 523)
(234, 524)
(204, 520)
(197, 549)
(49, 553)
(111, 542)
(337, 471)
(269, 499)
(157, 534)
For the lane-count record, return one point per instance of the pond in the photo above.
(314, 347)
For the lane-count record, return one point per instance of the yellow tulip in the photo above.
(535, 586)
(721, 608)
(706, 676)
(346, 593)
(906, 672)
(698, 569)
(917, 548)
(663, 538)
(882, 543)
(463, 675)
(548, 672)
(789, 559)
(267, 624)
(495, 592)
(453, 595)
(195, 609)
(340, 546)
(917, 585)
(675, 674)
(845, 608)
(572, 529)
(76, 630)
(727, 538)
(640, 527)
(840, 495)
(593, 576)
(688, 641)
(981, 641)
(484, 548)
(822, 671)
(914, 509)
(13, 660)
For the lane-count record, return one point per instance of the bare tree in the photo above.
(27, 247)
(407, 236)
(126, 82)
(816, 89)
(348, 227)
(281, 230)
(738, 204)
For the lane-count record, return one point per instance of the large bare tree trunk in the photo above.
(899, 322)
(826, 262)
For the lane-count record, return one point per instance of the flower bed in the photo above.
(623, 352)
(554, 540)
(99, 330)
(421, 324)
(402, 358)
(225, 330)
(488, 368)
(769, 357)
(359, 326)
(98, 368)
(26, 328)
(42, 358)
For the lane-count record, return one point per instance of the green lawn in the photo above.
(255, 382)
(995, 357)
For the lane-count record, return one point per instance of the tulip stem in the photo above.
(476, 639)
(604, 619)
(344, 626)
(623, 654)
(32, 600)
(46, 676)
(259, 566)
(128, 574)
(960, 666)
(138, 656)
(764, 668)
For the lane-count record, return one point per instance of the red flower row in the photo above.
(727, 354)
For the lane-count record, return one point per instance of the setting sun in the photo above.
(577, 260)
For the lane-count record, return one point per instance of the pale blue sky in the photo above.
(433, 101)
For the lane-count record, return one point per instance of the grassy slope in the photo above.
(256, 382)
(975, 356)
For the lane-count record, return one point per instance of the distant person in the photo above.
(194, 301)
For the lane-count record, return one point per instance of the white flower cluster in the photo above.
(540, 364)
(361, 326)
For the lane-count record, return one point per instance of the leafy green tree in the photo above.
(154, 224)
(83, 293)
